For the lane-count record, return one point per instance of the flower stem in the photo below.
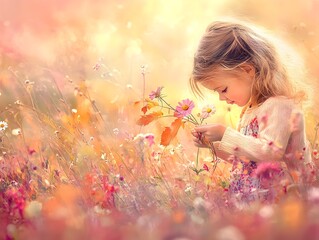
(197, 157)
(314, 144)
(170, 107)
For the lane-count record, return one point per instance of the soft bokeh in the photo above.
(73, 78)
(70, 37)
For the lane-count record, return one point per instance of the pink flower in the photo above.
(184, 108)
(207, 111)
(205, 167)
(149, 137)
(156, 94)
(268, 170)
(96, 66)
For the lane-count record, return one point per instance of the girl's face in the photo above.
(232, 87)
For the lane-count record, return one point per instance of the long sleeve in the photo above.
(274, 132)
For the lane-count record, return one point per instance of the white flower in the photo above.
(11, 230)
(188, 188)
(103, 156)
(16, 131)
(3, 125)
(200, 203)
(139, 138)
(266, 212)
(313, 194)
(229, 233)
(116, 131)
(156, 155)
(207, 111)
(33, 209)
(99, 210)
(172, 151)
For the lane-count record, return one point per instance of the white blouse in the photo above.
(272, 131)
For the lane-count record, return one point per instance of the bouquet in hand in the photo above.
(156, 107)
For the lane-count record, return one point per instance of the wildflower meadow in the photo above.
(96, 120)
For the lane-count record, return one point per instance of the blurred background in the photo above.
(73, 76)
(108, 43)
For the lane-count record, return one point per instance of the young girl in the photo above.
(269, 147)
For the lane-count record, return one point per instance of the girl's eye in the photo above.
(225, 90)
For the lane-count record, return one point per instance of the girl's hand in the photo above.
(205, 135)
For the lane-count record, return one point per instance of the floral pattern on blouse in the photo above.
(251, 129)
(242, 180)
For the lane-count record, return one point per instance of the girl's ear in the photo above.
(249, 69)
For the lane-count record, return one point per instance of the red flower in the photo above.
(205, 167)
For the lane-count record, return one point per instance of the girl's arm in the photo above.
(220, 153)
(277, 123)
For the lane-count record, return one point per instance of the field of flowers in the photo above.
(71, 171)
(95, 130)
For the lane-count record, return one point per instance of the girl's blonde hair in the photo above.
(232, 44)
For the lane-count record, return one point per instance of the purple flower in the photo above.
(156, 94)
